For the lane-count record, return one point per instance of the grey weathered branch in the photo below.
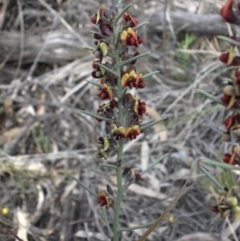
(61, 45)
(212, 24)
(56, 47)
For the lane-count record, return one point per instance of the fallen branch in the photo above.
(212, 24)
(61, 45)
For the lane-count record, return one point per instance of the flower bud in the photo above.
(229, 90)
(231, 201)
(235, 213)
(104, 49)
(235, 149)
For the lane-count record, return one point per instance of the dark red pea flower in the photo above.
(139, 107)
(132, 80)
(106, 110)
(225, 58)
(234, 158)
(129, 37)
(105, 92)
(130, 176)
(106, 198)
(228, 14)
(106, 29)
(132, 132)
(129, 20)
(231, 120)
(96, 19)
(97, 36)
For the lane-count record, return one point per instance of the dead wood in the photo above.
(54, 47)
(212, 24)
(61, 45)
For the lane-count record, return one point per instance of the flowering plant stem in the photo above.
(121, 142)
(118, 203)
(121, 111)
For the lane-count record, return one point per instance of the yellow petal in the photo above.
(104, 48)
(133, 74)
(230, 55)
(124, 80)
(124, 35)
(121, 130)
(106, 144)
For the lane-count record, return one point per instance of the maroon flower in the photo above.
(105, 92)
(130, 176)
(129, 37)
(129, 20)
(234, 158)
(139, 107)
(228, 14)
(106, 198)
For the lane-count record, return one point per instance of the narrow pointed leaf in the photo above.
(93, 83)
(122, 12)
(213, 180)
(165, 213)
(149, 168)
(110, 232)
(87, 48)
(93, 115)
(209, 96)
(85, 187)
(107, 165)
(107, 69)
(152, 123)
(150, 74)
(140, 25)
(133, 58)
(229, 40)
(220, 164)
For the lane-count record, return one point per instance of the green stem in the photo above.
(118, 204)
(121, 142)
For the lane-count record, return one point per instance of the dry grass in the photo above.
(44, 139)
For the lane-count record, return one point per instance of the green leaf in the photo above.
(108, 165)
(209, 96)
(213, 180)
(85, 187)
(219, 164)
(107, 69)
(133, 58)
(110, 232)
(228, 40)
(93, 83)
(150, 74)
(140, 25)
(122, 12)
(149, 168)
(93, 115)
(152, 123)
(87, 48)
